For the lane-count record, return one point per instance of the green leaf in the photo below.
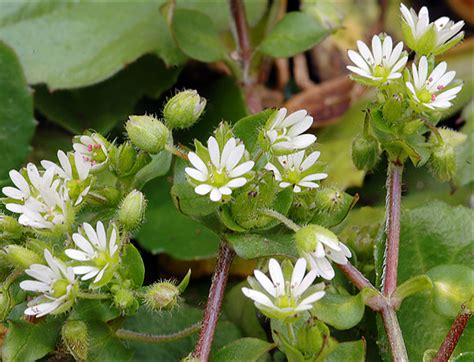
(244, 349)
(335, 145)
(94, 310)
(356, 351)
(166, 230)
(132, 266)
(412, 286)
(170, 322)
(251, 246)
(104, 345)
(431, 235)
(241, 311)
(342, 311)
(16, 112)
(102, 106)
(81, 43)
(197, 36)
(293, 34)
(27, 341)
(452, 287)
(158, 166)
(463, 357)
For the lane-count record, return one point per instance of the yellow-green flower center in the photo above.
(293, 176)
(220, 178)
(424, 96)
(380, 71)
(60, 288)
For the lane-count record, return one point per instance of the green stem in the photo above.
(95, 296)
(176, 151)
(291, 333)
(280, 217)
(157, 339)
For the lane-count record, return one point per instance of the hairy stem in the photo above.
(394, 334)
(355, 276)
(156, 339)
(451, 340)
(239, 17)
(290, 224)
(392, 218)
(96, 296)
(214, 301)
(176, 151)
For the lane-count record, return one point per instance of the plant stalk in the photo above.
(94, 296)
(394, 334)
(237, 9)
(355, 276)
(394, 193)
(157, 339)
(214, 302)
(451, 340)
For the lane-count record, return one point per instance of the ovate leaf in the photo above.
(355, 351)
(132, 266)
(16, 112)
(293, 34)
(250, 246)
(244, 349)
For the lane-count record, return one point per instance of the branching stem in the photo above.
(214, 302)
(157, 339)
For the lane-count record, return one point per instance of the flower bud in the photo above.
(164, 295)
(443, 162)
(132, 210)
(147, 133)
(75, 337)
(125, 301)
(307, 237)
(123, 159)
(10, 228)
(105, 196)
(5, 305)
(329, 199)
(20, 256)
(184, 109)
(365, 152)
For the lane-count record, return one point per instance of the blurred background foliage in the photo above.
(70, 66)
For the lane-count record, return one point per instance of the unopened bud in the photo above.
(162, 295)
(365, 152)
(443, 162)
(147, 133)
(75, 337)
(123, 159)
(104, 196)
(10, 228)
(132, 210)
(309, 236)
(329, 199)
(184, 109)
(5, 305)
(20, 256)
(125, 301)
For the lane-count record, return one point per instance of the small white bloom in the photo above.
(97, 250)
(430, 91)
(383, 64)
(56, 283)
(74, 169)
(280, 298)
(292, 170)
(225, 171)
(285, 133)
(93, 149)
(317, 244)
(416, 26)
(38, 197)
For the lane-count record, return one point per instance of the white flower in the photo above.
(39, 198)
(430, 91)
(284, 134)
(293, 171)
(317, 244)
(280, 298)
(224, 171)
(97, 250)
(93, 149)
(380, 65)
(56, 283)
(425, 37)
(75, 172)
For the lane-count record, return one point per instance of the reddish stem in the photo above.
(394, 334)
(394, 194)
(355, 276)
(451, 340)
(214, 302)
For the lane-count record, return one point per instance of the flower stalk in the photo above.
(214, 302)
(157, 338)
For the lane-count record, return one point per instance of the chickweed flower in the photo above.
(217, 170)
(283, 134)
(317, 244)
(94, 149)
(98, 251)
(429, 38)
(292, 170)
(280, 297)
(39, 198)
(56, 283)
(74, 169)
(431, 91)
(383, 64)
